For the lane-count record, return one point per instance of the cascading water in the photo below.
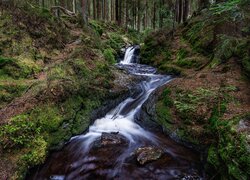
(128, 55)
(106, 151)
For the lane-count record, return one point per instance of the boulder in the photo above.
(148, 154)
(110, 139)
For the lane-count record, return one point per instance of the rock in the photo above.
(191, 177)
(110, 139)
(148, 154)
(147, 116)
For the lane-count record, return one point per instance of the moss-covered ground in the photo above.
(208, 104)
(53, 73)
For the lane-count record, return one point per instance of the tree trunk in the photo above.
(84, 11)
(94, 9)
(186, 10)
(154, 17)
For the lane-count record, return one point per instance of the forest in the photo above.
(124, 89)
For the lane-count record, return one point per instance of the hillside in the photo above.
(54, 73)
(208, 103)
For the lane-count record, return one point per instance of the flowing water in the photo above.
(109, 150)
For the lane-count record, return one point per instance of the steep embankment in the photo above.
(54, 73)
(208, 105)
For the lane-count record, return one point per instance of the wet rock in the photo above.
(110, 139)
(244, 126)
(193, 176)
(147, 116)
(148, 154)
(136, 57)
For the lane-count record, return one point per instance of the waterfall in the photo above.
(128, 58)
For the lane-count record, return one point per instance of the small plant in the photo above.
(18, 133)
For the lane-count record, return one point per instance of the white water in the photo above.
(128, 55)
(121, 119)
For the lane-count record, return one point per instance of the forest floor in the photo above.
(28, 100)
(53, 74)
(208, 103)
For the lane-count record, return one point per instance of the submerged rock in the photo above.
(148, 154)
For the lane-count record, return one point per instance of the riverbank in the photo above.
(208, 104)
(54, 74)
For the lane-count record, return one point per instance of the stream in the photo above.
(116, 147)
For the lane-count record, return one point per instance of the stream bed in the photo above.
(116, 147)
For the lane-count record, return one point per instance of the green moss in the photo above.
(17, 68)
(164, 116)
(156, 48)
(229, 152)
(189, 63)
(242, 51)
(48, 118)
(35, 156)
(115, 41)
(170, 69)
(109, 56)
(226, 48)
(97, 27)
(57, 72)
(18, 133)
(10, 90)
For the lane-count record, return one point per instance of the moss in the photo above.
(225, 48)
(18, 133)
(189, 63)
(164, 116)
(109, 56)
(34, 156)
(48, 118)
(242, 51)
(57, 72)
(170, 69)
(10, 90)
(156, 48)
(97, 27)
(17, 68)
(230, 151)
(115, 41)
